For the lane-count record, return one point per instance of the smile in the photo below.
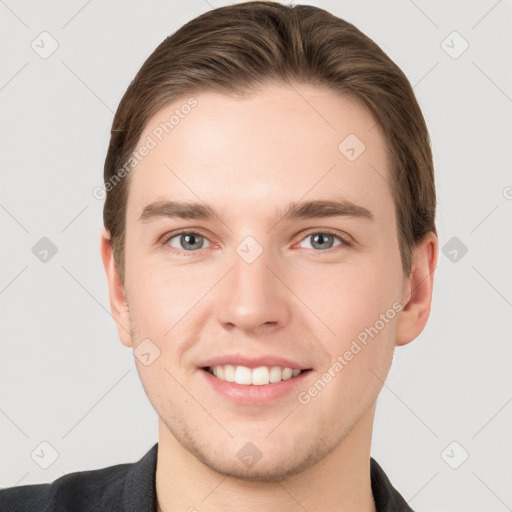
(260, 376)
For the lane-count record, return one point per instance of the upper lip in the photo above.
(253, 362)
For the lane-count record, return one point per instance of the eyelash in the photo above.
(335, 234)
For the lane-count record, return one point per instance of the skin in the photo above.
(248, 157)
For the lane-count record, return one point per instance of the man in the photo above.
(269, 240)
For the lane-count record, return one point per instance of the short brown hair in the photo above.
(236, 48)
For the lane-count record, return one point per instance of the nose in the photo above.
(253, 296)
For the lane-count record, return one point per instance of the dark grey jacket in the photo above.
(131, 488)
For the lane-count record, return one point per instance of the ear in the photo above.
(418, 291)
(118, 304)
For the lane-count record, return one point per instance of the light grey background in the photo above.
(65, 377)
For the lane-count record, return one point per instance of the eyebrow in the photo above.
(293, 211)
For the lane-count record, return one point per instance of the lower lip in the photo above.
(251, 394)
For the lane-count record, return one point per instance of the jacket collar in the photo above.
(139, 493)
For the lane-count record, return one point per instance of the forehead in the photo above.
(250, 153)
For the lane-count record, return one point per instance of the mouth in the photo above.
(259, 376)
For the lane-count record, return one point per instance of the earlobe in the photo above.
(418, 294)
(117, 296)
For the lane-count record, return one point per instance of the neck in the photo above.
(341, 481)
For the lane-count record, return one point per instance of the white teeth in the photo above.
(229, 373)
(256, 376)
(275, 374)
(287, 373)
(243, 375)
(260, 376)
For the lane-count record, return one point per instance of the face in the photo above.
(252, 284)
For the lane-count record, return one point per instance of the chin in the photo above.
(281, 467)
(271, 464)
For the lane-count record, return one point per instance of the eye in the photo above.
(189, 242)
(186, 241)
(324, 240)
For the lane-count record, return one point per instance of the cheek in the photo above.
(359, 305)
(349, 298)
(163, 294)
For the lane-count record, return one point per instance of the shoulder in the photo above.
(24, 498)
(386, 497)
(79, 490)
(102, 489)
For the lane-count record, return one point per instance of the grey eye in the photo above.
(322, 241)
(187, 241)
